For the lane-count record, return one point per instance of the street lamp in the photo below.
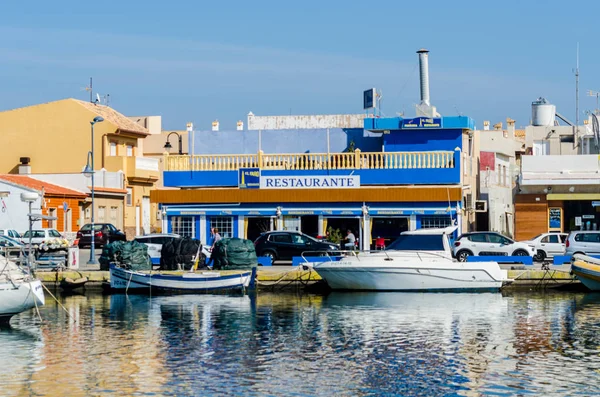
(168, 144)
(89, 171)
(30, 198)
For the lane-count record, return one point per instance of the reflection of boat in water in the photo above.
(19, 290)
(587, 270)
(123, 279)
(418, 260)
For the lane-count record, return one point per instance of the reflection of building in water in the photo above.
(93, 353)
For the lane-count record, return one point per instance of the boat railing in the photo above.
(355, 253)
(422, 255)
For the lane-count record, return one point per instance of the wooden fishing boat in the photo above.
(122, 279)
(587, 270)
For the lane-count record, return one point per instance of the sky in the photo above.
(200, 61)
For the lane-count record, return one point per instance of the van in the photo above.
(583, 242)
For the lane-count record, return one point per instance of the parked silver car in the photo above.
(583, 242)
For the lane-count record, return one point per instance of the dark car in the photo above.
(104, 233)
(284, 245)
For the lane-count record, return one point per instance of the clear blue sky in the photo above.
(199, 61)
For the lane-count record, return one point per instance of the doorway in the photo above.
(310, 225)
(256, 226)
(388, 228)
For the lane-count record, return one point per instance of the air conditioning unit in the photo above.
(481, 206)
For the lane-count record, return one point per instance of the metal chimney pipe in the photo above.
(424, 74)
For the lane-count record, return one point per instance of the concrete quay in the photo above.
(288, 277)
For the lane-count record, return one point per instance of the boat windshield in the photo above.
(418, 242)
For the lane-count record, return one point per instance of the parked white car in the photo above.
(155, 243)
(10, 233)
(39, 236)
(548, 245)
(489, 244)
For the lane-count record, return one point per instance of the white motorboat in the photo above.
(418, 260)
(19, 290)
(124, 280)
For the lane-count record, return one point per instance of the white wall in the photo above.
(305, 122)
(80, 182)
(13, 212)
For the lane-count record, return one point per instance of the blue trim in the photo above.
(397, 123)
(197, 227)
(155, 261)
(525, 260)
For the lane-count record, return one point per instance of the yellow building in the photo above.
(55, 137)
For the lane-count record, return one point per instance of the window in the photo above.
(498, 239)
(428, 222)
(224, 224)
(184, 226)
(129, 196)
(281, 238)
(478, 238)
(552, 239)
(417, 242)
(54, 233)
(101, 211)
(113, 149)
(129, 150)
(563, 238)
(588, 237)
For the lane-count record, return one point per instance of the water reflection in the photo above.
(340, 344)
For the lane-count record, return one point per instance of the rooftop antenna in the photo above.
(89, 88)
(97, 98)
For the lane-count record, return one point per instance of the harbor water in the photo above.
(342, 344)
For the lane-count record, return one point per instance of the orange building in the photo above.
(57, 201)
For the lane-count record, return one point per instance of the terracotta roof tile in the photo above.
(108, 190)
(111, 115)
(49, 188)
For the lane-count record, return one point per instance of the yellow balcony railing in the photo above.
(311, 161)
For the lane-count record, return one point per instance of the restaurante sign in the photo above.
(310, 182)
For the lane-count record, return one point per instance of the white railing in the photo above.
(312, 161)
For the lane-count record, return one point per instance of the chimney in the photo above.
(424, 75)
(24, 167)
(510, 126)
(215, 125)
(424, 109)
(498, 126)
(486, 125)
(240, 125)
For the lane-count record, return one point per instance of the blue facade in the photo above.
(416, 176)
(439, 138)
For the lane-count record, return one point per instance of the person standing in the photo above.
(216, 237)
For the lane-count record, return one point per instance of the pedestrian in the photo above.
(214, 232)
(350, 240)
(216, 237)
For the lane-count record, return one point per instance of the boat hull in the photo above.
(22, 296)
(587, 270)
(123, 280)
(376, 275)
